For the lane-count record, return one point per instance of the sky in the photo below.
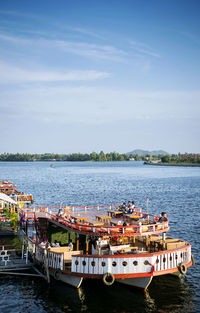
(83, 76)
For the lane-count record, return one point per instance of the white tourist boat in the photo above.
(127, 248)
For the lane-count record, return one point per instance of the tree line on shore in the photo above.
(94, 156)
(99, 157)
(186, 158)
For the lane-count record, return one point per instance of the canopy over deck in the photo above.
(5, 198)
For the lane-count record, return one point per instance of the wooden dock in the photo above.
(13, 264)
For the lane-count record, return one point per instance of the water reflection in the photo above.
(166, 294)
(170, 294)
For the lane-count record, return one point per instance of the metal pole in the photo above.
(27, 255)
(46, 265)
(147, 205)
(23, 249)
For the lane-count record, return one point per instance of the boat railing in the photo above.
(123, 264)
(54, 259)
(7, 253)
(118, 230)
(75, 208)
(23, 198)
(142, 228)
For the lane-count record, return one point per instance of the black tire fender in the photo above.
(108, 279)
(182, 268)
(57, 274)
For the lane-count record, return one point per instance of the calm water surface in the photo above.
(172, 189)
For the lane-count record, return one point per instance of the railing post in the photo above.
(140, 227)
(22, 249)
(62, 262)
(27, 255)
(46, 265)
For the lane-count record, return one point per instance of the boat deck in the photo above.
(100, 221)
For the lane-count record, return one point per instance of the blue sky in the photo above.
(83, 76)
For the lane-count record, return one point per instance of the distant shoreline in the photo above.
(173, 164)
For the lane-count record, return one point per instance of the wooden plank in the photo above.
(21, 274)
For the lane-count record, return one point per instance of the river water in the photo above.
(175, 190)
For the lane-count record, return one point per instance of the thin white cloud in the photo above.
(13, 74)
(85, 32)
(19, 14)
(84, 104)
(193, 37)
(106, 52)
(126, 114)
(143, 49)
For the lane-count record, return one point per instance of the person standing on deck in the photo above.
(70, 245)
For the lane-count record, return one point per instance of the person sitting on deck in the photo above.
(163, 217)
(55, 244)
(124, 208)
(60, 213)
(130, 211)
(44, 244)
(66, 214)
(133, 205)
(70, 245)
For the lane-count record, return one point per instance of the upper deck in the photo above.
(99, 220)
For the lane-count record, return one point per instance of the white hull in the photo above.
(138, 282)
(70, 280)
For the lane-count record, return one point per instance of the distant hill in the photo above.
(144, 152)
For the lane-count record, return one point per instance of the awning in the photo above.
(4, 197)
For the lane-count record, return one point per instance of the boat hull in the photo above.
(138, 282)
(73, 281)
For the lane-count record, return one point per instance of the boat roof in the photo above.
(6, 198)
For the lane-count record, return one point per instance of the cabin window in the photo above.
(114, 263)
(170, 258)
(164, 260)
(157, 261)
(93, 263)
(76, 262)
(124, 263)
(146, 262)
(181, 254)
(103, 264)
(84, 263)
(135, 263)
(176, 256)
